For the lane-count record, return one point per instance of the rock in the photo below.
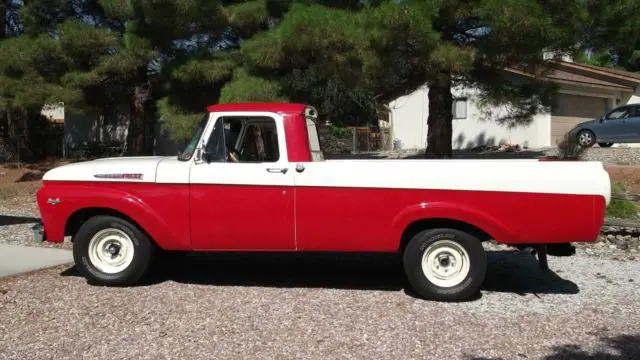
(612, 247)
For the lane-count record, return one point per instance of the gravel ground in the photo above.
(295, 307)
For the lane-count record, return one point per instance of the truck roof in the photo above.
(259, 106)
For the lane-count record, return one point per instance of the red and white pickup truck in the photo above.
(253, 178)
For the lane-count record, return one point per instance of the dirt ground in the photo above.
(627, 175)
(20, 180)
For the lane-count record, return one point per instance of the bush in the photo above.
(569, 148)
(620, 208)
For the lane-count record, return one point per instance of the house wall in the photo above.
(410, 114)
(630, 98)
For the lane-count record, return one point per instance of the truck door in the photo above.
(241, 186)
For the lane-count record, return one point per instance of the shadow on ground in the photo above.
(612, 347)
(514, 272)
(6, 220)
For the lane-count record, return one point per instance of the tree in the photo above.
(614, 38)
(364, 54)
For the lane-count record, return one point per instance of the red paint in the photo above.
(161, 210)
(227, 217)
(288, 108)
(297, 138)
(352, 219)
(261, 218)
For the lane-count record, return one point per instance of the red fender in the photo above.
(77, 197)
(449, 211)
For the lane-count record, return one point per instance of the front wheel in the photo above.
(445, 264)
(111, 251)
(586, 138)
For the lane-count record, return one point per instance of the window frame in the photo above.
(215, 116)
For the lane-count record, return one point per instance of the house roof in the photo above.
(587, 75)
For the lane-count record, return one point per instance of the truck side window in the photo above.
(258, 141)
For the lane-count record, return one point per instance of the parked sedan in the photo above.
(620, 125)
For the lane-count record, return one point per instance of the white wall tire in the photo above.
(111, 251)
(445, 264)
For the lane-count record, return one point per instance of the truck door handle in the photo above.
(277, 170)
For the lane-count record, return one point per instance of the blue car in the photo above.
(620, 125)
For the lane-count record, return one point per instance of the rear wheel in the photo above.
(445, 264)
(108, 250)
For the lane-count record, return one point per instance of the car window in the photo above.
(215, 145)
(620, 113)
(251, 140)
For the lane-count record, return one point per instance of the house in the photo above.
(584, 93)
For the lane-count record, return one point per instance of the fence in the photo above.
(369, 139)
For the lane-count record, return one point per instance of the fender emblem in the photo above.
(55, 201)
(118, 176)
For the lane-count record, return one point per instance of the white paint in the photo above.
(445, 263)
(100, 255)
(53, 111)
(510, 175)
(85, 171)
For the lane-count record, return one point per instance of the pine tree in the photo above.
(365, 54)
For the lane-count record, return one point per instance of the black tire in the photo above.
(464, 289)
(605, 145)
(584, 142)
(143, 250)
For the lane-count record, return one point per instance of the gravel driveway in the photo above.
(271, 306)
(322, 306)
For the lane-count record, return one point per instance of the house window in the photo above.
(459, 108)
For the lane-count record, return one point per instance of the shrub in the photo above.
(621, 208)
(569, 148)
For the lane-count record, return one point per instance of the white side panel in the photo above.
(173, 171)
(532, 176)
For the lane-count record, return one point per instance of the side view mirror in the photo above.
(601, 120)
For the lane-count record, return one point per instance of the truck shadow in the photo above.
(611, 347)
(512, 272)
(6, 220)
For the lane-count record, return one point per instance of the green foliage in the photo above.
(614, 35)
(247, 88)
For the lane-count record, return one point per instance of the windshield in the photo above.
(193, 143)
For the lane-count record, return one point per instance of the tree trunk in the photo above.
(440, 132)
(3, 18)
(136, 139)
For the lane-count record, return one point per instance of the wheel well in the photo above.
(425, 224)
(75, 221)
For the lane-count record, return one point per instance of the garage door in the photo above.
(573, 109)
